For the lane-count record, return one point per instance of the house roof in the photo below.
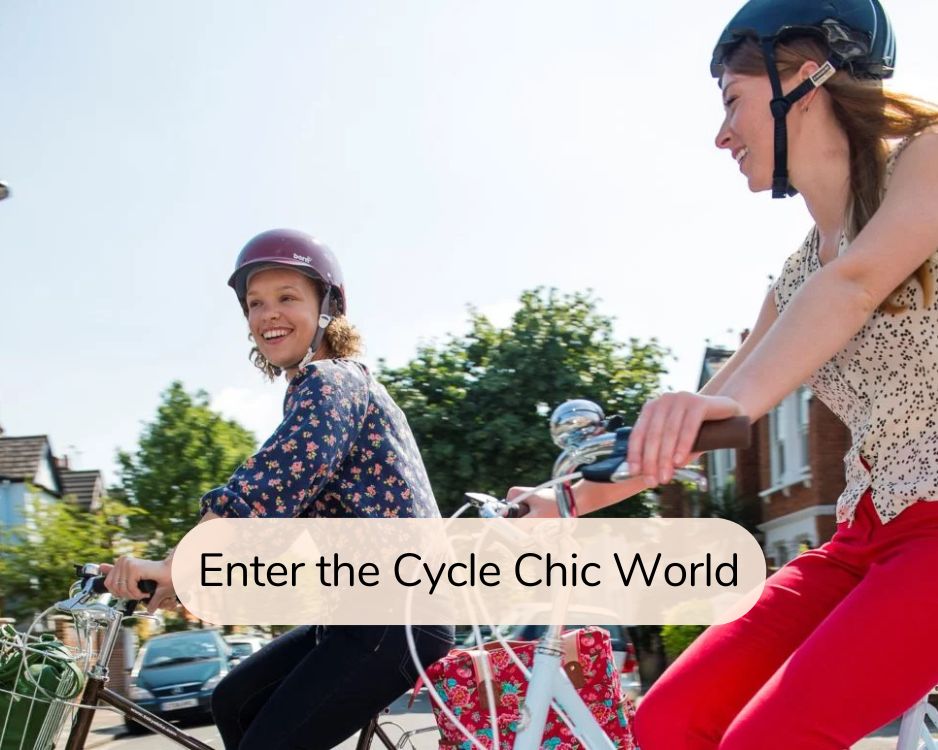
(714, 359)
(86, 486)
(20, 457)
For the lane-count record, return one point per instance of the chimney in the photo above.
(61, 462)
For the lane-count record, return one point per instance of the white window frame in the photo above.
(721, 470)
(789, 456)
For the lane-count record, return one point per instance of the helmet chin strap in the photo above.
(781, 104)
(324, 320)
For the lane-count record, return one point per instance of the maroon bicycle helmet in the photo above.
(301, 252)
(297, 250)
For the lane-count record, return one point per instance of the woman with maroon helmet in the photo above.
(344, 449)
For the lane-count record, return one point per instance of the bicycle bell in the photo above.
(574, 421)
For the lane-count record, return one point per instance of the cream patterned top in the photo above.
(883, 385)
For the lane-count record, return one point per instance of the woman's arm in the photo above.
(826, 312)
(837, 300)
(591, 496)
(123, 577)
(768, 314)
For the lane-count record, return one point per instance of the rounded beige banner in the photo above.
(371, 571)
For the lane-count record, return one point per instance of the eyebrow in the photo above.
(283, 288)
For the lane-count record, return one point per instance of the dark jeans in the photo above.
(315, 686)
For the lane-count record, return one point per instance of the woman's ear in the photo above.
(807, 69)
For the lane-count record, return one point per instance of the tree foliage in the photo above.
(479, 403)
(184, 452)
(36, 558)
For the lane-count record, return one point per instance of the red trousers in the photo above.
(843, 640)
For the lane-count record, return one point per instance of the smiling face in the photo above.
(748, 130)
(283, 314)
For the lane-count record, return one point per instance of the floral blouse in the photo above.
(344, 449)
(884, 386)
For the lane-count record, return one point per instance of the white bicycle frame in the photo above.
(914, 733)
(549, 684)
(575, 426)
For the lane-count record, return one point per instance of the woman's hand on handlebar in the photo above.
(542, 504)
(667, 428)
(589, 496)
(123, 576)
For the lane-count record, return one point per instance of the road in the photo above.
(108, 732)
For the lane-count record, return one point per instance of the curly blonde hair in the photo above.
(342, 341)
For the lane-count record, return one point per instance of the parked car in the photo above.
(175, 674)
(242, 646)
(623, 651)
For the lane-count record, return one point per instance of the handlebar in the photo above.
(90, 585)
(596, 449)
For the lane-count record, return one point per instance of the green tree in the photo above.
(479, 403)
(677, 638)
(185, 451)
(36, 558)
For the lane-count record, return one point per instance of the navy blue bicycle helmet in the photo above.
(857, 34)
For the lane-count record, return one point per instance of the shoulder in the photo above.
(333, 377)
(923, 148)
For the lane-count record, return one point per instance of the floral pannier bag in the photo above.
(588, 662)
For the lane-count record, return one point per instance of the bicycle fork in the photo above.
(96, 691)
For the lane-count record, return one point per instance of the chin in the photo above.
(759, 186)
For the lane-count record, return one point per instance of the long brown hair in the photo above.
(870, 115)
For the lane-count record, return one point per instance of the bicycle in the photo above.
(48, 706)
(595, 448)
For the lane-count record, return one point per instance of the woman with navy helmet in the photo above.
(343, 450)
(842, 639)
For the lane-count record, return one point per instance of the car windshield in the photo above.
(178, 650)
(241, 649)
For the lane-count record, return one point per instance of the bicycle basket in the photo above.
(39, 677)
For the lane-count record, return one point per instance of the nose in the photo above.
(724, 137)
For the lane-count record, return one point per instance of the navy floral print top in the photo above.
(343, 450)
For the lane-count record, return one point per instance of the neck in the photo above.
(824, 183)
(321, 353)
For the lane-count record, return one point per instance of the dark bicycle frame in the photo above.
(97, 692)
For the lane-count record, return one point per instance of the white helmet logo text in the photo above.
(303, 258)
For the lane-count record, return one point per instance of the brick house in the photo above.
(788, 481)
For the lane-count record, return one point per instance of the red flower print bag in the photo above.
(588, 662)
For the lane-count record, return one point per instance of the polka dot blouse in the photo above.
(883, 385)
(344, 449)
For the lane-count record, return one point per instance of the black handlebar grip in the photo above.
(517, 510)
(146, 586)
(735, 432)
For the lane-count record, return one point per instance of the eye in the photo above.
(287, 298)
(730, 101)
(253, 303)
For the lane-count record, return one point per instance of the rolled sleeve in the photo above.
(223, 502)
(323, 418)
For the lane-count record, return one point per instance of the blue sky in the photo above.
(450, 152)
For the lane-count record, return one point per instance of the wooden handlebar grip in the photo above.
(734, 432)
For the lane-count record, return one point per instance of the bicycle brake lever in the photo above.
(491, 507)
